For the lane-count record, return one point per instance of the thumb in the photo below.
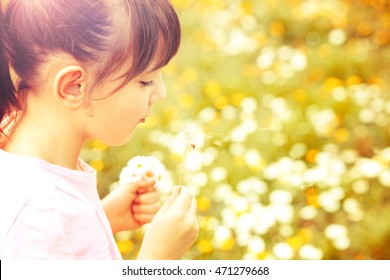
(171, 199)
(138, 185)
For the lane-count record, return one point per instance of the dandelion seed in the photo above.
(217, 139)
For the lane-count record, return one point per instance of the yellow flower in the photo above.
(228, 244)
(331, 83)
(205, 246)
(97, 164)
(181, 4)
(220, 102)
(186, 100)
(125, 246)
(341, 135)
(212, 89)
(237, 98)
(95, 144)
(204, 203)
(190, 75)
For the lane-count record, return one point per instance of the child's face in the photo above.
(114, 118)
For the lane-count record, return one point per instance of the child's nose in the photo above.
(160, 91)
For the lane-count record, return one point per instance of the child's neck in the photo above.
(44, 136)
(54, 150)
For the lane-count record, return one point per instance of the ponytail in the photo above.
(8, 99)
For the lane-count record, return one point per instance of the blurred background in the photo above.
(293, 97)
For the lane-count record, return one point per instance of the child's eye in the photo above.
(147, 83)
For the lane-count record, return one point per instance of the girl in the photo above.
(86, 69)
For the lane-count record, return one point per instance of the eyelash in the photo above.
(147, 84)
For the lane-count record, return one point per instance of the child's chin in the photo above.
(120, 141)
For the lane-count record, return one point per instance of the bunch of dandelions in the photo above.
(192, 137)
(146, 168)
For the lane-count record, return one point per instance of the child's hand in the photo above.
(130, 206)
(173, 230)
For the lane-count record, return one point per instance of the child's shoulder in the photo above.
(33, 176)
(35, 200)
(21, 188)
(47, 216)
(34, 186)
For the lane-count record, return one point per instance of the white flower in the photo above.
(143, 168)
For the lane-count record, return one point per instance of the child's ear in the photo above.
(69, 86)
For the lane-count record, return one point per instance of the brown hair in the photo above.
(91, 31)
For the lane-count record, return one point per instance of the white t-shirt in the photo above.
(51, 212)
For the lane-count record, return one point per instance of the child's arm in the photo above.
(130, 206)
(173, 230)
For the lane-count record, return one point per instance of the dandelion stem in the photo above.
(181, 172)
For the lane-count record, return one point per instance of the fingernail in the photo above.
(183, 189)
(176, 189)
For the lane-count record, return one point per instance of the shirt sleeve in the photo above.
(56, 225)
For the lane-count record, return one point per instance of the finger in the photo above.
(147, 198)
(146, 209)
(171, 199)
(192, 212)
(144, 218)
(183, 201)
(193, 207)
(144, 184)
(146, 190)
(137, 186)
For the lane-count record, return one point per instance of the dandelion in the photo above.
(192, 137)
(146, 168)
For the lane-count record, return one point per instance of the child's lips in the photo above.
(144, 119)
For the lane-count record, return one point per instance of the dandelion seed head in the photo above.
(192, 136)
